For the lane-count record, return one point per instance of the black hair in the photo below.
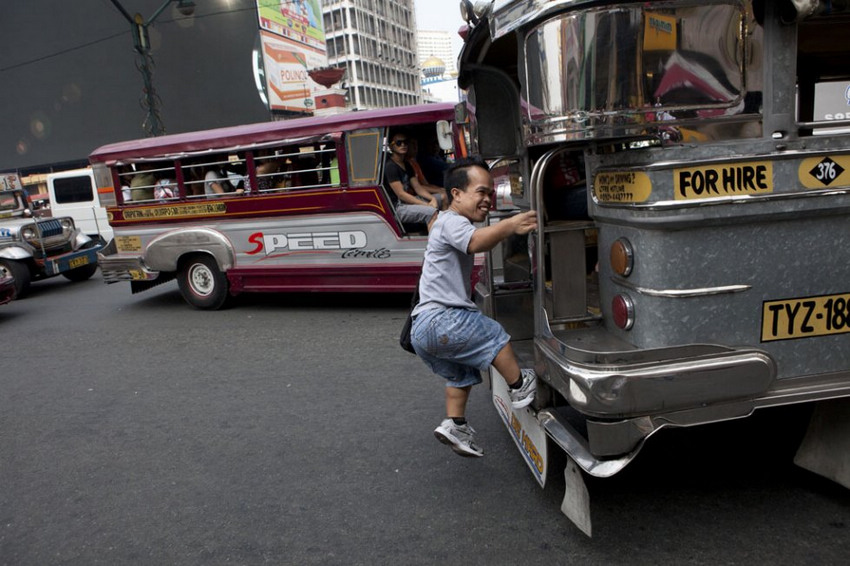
(457, 174)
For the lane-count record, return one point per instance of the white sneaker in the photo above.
(524, 394)
(460, 438)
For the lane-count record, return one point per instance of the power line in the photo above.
(113, 36)
(63, 52)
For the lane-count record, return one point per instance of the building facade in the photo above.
(375, 40)
(437, 44)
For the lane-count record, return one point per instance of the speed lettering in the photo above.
(737, 179)
(306, 241)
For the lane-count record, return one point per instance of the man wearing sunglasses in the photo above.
(398, 178)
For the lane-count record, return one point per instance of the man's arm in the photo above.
(485, 239)
(403, 196)
(423, 192)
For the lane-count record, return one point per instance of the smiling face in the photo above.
(473, 201)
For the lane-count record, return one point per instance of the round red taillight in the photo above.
(623, 311)
(622, 257)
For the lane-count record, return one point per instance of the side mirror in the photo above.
(444, 135)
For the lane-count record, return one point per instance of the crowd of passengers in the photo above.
(272, 172)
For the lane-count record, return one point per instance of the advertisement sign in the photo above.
(289, 87)
(293, 43)
(298, 20)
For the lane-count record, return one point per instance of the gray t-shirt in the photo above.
(446, 272)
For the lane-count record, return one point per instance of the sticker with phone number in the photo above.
(805, 317)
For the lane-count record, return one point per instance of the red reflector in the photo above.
(623, 311)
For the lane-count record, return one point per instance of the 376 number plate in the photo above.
(805, 317)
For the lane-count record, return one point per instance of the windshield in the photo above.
(645, 62)
(11, 202)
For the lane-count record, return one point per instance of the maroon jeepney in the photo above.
(296, 205)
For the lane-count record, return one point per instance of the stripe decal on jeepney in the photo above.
(176, 211)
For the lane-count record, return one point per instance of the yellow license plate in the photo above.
(805, 317)
(78, 262)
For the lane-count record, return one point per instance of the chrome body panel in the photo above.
(642, 382)
(115, 269)
(164, 251)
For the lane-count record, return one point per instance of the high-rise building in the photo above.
(376, 41)
(436, 44)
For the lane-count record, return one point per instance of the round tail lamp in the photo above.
(623, 311)
(622, 257)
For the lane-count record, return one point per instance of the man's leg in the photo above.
(456, 398)
(522, 384)
(507, 365)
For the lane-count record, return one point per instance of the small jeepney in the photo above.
(295, 205)
(690, 166)
(33, 248)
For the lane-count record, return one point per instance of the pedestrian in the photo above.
(449, 333)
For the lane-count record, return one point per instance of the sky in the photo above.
(440, 15)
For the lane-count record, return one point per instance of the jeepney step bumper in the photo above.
(115, 269)
(71, 260)
(639, 383)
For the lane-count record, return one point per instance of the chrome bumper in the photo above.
(639, 383)
(115, 269)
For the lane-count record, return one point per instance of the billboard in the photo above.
(293, 43)
(70, 81)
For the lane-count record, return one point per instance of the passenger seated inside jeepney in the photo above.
(269, 165)
(425, 190)
(165, 188)
(220, 180)
(142, 185)
(432, 160)
(398, 178)
(194, 180)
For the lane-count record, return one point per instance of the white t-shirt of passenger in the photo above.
(446, 272)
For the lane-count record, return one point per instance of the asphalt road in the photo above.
(291, 429)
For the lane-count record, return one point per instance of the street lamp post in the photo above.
(141, 43)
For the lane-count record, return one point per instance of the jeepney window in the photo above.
(651, 62)
(363, 149)
(216, 175)
(823, 73)
(147, 182)
(296, 167)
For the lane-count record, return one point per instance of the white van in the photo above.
(74, 193)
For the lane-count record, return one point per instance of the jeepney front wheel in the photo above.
(20, 272)
(202, 283)
(86, 271)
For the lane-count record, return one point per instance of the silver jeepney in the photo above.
(718, 198)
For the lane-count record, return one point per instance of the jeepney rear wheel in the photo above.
(20, 272)
(202, 283)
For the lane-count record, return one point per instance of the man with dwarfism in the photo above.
(449, 333)
(398, 177)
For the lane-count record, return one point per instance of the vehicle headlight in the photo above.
(67, 223)
(28, 233)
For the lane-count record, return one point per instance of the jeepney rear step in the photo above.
(565, 435)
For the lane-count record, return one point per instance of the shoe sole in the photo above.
(524, 403)
(457, 449)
